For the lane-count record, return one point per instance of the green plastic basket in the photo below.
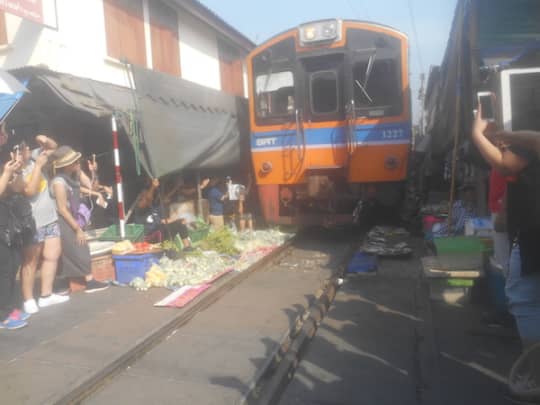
(459, 282)
(134, 233)
(459, 244)
(198, 234)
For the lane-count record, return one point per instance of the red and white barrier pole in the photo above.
(118, 176)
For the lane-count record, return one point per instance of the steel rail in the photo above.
(84, 388)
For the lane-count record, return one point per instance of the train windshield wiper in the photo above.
(363, 90)
(369, 68)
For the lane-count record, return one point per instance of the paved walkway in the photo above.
(221, 353)
(213, 359)
(383, 342)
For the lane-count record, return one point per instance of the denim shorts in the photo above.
(523, 293)
(47, 232)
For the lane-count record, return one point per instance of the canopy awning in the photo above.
(183, 125)
(186, 125)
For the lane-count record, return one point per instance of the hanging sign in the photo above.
(28, 9)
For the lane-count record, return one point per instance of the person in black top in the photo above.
(151, 211)
(519, 159)
(17, 229)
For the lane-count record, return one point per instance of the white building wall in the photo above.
(199, 58)
(79, 45)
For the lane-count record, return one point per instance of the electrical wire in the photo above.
(415, 33)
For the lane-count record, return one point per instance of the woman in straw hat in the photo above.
(65, 188)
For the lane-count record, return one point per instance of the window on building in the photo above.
(124, 28)
(231, 70)
(3, 30)
(164, 34)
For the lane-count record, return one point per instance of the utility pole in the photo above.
(421, 98)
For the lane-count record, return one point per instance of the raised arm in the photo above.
(147, 196)
(9, 168)
(503, 160)
(85, 181)
(31, 186)
(46, 143)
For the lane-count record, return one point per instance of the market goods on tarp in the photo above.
(221, 241)
(199, 267)
(155, 277)
(250, 241)
(387, 241)
(122, 247)
(139, 284)
(193, 270)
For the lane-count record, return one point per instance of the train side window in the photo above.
(378, 87)
(324, 92)
(275, 94)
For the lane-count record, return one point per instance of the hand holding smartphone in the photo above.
(16, 155)
(487, 106)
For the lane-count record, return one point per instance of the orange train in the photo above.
(330, 120)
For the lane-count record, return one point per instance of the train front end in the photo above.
(330, 120)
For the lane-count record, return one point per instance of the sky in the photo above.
(260, 20)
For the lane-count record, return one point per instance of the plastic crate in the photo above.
(130, 266)
(198, 234)
(134, 233)
(459, 244)
(450, 291)
(103, 268)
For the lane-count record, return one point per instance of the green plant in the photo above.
(221, 241)
(170, 245)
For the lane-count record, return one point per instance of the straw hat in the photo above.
(65, 156)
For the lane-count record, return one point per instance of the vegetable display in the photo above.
(220, 251)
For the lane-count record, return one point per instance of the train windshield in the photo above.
(275, 94)
(324, 92)
(377, 86)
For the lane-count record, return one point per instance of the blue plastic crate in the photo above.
(130, 266)
(362, 263)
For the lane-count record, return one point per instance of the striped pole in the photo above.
(118, 176)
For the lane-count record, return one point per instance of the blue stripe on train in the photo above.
(384, 133)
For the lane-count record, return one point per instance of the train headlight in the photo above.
(310, 33)
(320, 31)
(391, 162)
(266, 167)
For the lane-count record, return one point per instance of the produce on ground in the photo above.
(221, 250)
(221, 241)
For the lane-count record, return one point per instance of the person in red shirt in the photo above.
(501, 242)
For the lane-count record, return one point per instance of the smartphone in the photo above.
(485, 99)
(17, 152)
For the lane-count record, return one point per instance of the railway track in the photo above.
(320, 254)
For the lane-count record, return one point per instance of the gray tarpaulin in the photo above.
(185, 125)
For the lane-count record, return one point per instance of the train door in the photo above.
(323, 98)
(323, 114)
